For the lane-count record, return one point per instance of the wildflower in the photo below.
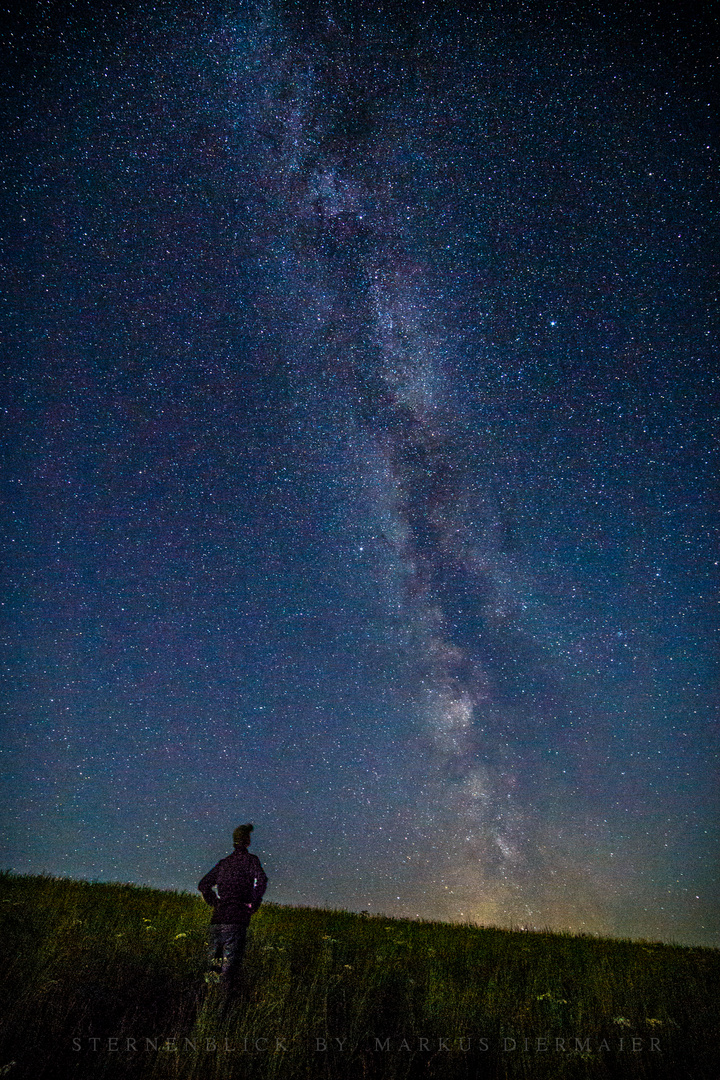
(179, 936)
(149, 927)
(652, 1021)
(621, 1021)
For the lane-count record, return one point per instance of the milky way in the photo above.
(360, 465)
(376, 335)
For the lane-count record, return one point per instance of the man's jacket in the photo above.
(241, 882)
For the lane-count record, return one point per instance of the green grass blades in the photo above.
(108, 980)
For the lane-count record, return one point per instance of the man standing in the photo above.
(234, 889)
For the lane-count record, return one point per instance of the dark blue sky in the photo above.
(360, 472)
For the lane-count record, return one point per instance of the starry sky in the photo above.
(359, 468)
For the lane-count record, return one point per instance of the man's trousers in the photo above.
(227, 943)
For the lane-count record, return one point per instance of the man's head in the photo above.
(241, 835)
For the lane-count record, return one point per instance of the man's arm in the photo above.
(259, 887)
(205, 885)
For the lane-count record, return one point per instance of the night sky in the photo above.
(359, 465)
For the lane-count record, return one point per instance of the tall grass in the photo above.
(109, 980)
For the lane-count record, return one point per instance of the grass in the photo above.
(105, 980)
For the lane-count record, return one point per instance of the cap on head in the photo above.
(241, 835)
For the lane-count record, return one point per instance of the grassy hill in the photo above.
(109, 980)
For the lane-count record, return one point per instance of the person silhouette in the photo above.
(234, 888)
